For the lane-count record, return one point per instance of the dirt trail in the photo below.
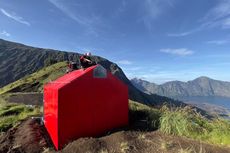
(31, 137)
(141, 142)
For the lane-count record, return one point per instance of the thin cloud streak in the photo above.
(218, 42)
(222, 10)
(179, 34)
(216, 17)
(90, 22)
(15, 17)
(179, 51)
(186, 33)
(70, 14)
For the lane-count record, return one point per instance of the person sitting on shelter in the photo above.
(71, 66)
(86, 61)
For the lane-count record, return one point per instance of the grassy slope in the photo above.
(18, 60)
(35, 81)
(185, 122)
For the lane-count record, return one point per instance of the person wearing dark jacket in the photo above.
(86, 61)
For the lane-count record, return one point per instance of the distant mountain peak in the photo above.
(202, 86)
(139, 79)
(203, 78)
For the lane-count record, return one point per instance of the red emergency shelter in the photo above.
(84, 103)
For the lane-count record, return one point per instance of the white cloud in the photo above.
(84, 17)
(217, 42)
(58, 4)
(179, 51)
(15, 17)
(124, 62)
(5, 33)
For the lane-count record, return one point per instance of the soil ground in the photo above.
(30, 137)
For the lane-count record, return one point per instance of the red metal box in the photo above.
(84, 103)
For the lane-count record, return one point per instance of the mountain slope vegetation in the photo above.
(35, 81)
(18, 60)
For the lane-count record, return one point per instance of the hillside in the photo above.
(202, 86)
(35, 81)
(18, 61)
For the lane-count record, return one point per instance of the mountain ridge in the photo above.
(201, 86)
(18, 60)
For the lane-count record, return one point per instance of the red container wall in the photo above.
(51, 112)
(87, 107)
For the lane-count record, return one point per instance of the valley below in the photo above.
(205, 93)
(213, 104)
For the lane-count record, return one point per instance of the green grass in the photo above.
(183, 121)
(12, 114)
(219, 132)
(187, 122)
(41, 77)
(139, 111)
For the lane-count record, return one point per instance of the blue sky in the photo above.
(156, 40)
